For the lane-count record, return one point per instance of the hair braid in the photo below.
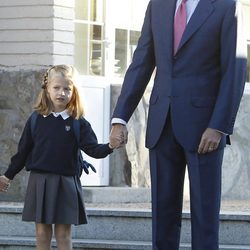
(45, 80)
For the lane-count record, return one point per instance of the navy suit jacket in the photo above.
(203, 82)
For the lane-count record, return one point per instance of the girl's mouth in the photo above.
(60, 99)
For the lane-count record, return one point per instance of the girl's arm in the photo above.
(89, 143)
(18, 161)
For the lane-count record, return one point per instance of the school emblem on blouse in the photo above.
(67, 128)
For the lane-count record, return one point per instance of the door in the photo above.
(95, 93)
(90, 60)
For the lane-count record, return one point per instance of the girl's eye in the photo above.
(56, 87)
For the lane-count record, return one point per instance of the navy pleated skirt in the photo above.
(54, 199)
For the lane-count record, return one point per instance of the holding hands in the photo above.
(118, 135)
(4, 183)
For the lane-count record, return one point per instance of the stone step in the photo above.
(28, 243)
(125, 222)
(116, 195)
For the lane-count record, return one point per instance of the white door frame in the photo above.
(95, 93)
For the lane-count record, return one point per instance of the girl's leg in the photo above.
(63, 236)
(43, 236)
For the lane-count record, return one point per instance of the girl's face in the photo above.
(60, 92)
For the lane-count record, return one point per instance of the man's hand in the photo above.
(118, 135)
(209, 141)
(4, 183)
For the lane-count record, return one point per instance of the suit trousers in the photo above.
(168, 161)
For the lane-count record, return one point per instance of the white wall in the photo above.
(36, 33)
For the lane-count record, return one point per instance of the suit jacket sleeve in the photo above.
(233, 67)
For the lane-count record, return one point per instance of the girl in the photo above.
(50, 152)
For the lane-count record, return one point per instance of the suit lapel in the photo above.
(203, 10)
(166, 10)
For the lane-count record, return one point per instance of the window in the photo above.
(128, 16)
(106, 34)
(89, 37)
(125, 44)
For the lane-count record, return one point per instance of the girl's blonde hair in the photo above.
(43, 103)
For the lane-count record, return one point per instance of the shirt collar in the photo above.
(64, 114)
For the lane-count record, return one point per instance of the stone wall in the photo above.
(236, 164)
(120, 166)
(18, 93)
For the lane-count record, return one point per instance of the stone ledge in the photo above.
(229, 210)
(79, 243)
(116, 195)
(17, 243)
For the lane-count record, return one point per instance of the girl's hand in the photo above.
(4, 183)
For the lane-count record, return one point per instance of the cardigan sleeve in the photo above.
(89, 143)
(25, 145)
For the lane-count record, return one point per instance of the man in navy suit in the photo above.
(195, 97)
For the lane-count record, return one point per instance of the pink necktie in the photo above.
(180, 22)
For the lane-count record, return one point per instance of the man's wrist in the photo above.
(110, 146)
(118, 121)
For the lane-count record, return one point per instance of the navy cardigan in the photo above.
(53, 147)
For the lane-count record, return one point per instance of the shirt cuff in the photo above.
(221, 132)
(118, 120)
